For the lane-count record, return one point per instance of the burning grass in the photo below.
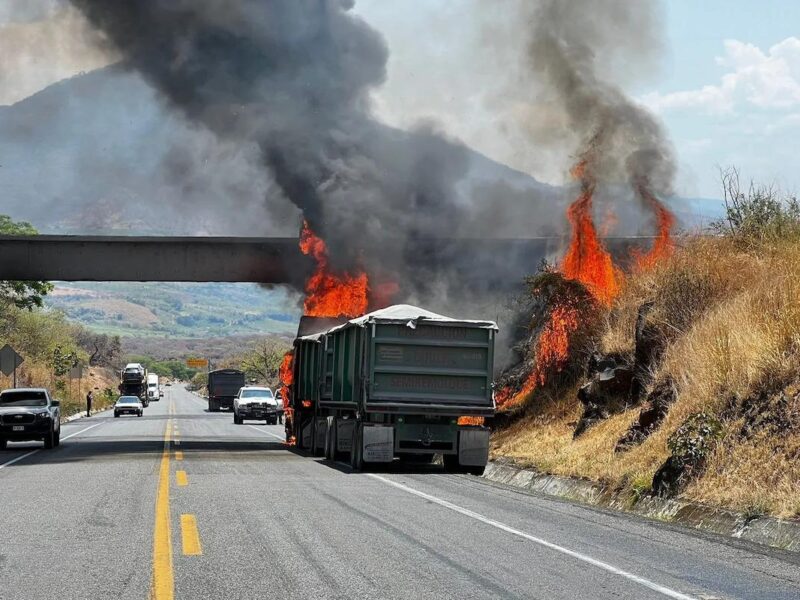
(728, 318)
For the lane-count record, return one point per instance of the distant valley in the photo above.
(181, 310)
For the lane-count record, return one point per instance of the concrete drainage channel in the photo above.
(763, 530)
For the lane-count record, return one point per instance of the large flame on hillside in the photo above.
(587, 260)
(663, 245)
(329, 294)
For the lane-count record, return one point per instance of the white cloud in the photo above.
(764, 80)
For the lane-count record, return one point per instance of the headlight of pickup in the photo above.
(43, 415)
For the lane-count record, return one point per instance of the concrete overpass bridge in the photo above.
(259, 260)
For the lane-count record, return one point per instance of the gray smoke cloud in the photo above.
(574, 49)
(293, 78)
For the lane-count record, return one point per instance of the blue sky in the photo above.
(712, 39)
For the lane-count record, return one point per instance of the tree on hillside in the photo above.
(23, 294)
(263, 361)
(104, 350)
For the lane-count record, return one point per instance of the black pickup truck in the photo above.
(29, 414)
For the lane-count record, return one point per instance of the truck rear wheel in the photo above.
(356, 458)
(451, 463)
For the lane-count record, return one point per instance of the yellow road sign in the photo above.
(197, 363)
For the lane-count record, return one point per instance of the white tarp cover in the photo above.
(403, 313)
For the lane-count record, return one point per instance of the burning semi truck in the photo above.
(401, 382)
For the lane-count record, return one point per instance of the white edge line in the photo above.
(670, 593)
(19, 458)
(72, 435)
(275, 435)
(27, 454)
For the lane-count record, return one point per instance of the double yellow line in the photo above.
(163, 582)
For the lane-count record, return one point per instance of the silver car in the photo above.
(128, 405)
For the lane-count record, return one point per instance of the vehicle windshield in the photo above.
(23, 399)
(128, 400)
(256, 394)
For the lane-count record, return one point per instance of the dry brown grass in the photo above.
(731, 320)
(73, 398)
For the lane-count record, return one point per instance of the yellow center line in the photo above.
(178, 454)
(191, 538)
(181, 478)
(163, 585)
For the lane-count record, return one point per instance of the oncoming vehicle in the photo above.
(152, 387)
(255, 403)
(223, 387)
(29, 414)
(128, 405)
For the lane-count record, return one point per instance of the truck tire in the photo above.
(330, 441)
(58, 437)
(356, 458)
(477, 471)
(316, 450)
(451, 463)
(212, 406)
(3, 444)
(49, 440)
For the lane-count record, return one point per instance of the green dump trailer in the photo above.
(395, 384)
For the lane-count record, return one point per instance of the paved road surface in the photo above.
(183, 503)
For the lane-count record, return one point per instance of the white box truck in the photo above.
(153, 388)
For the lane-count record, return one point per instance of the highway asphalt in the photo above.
(182, 503)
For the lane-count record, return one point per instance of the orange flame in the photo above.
(587, 260)
(552, 354)
(664, 245)
(286, 376)
(327, 294)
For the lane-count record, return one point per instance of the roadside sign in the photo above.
(9, 360)
(76, 372)
(197, 363)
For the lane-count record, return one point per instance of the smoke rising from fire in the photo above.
(572, 49)
(293, 78)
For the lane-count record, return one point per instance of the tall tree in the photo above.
(263, 361)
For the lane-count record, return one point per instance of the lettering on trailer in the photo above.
(473, 386)
(436, 333)
(431, 356)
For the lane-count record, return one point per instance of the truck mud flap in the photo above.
(378, 444)
(473, 447)
(344, 434)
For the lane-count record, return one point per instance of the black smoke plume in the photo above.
(294, 77)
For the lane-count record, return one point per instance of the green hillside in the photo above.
(186, 310)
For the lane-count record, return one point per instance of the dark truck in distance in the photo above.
(29, 414)
(395, 383)
(223, 387)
